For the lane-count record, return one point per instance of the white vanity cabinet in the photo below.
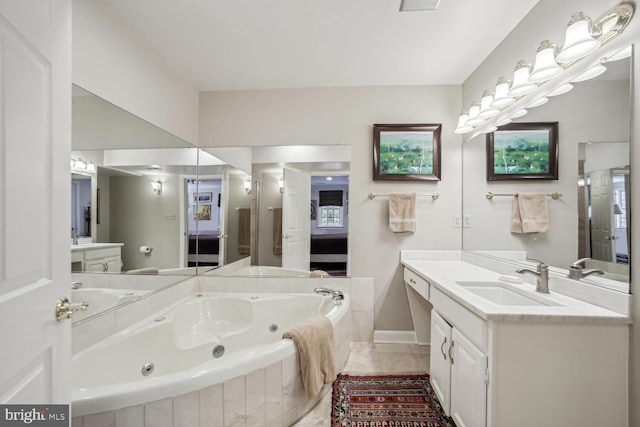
(491, 365)
(459, 374)
(97, 257)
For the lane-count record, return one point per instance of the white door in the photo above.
(296, 225)
(440, 373)
(468, 387)
(602, 231)
(35, 200)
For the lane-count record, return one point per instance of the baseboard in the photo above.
(395, 337)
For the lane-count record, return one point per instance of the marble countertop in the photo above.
(89, 246)
(444, 275)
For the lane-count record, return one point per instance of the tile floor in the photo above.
(372, 359)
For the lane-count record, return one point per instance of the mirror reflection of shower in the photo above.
(604, 197)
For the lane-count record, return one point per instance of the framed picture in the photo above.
(202, 212)
(202, 197)
(406, 152)
(314, 208)
(523, 151)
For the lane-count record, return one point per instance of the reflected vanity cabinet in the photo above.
(97, 257)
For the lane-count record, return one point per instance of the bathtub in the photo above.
(183, 344)
(266, 271)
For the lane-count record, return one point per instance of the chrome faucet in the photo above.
(576, 270)
(541, 273)
(337, 296)
(76, 285)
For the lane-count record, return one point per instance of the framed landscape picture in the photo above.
(406, 152)
(523, 151)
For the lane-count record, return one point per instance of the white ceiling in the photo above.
(272, 44)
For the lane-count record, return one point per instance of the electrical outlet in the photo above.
(466, 221)
(457, 221)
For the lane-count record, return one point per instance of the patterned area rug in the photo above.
(386, 401)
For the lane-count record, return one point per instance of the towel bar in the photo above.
(433, 195)
(490, 195)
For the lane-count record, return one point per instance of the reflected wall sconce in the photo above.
(247, 185)
(553, 71)
(281, 184)
(82, 166)
(157, 187)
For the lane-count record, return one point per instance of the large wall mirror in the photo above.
(139, 206)
(590, 219)
(300, 196)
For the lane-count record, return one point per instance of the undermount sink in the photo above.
(499, 293)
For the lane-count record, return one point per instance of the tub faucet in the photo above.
(335, 294)
(576, 270)
(76, 285)
(541, 273)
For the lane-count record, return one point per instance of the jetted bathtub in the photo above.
(200, 341)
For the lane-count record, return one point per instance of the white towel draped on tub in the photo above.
(402, 212)
(530, 213)
(314, 340)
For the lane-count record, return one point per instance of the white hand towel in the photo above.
(402, 212)
(530, 213)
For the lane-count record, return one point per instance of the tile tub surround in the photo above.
(271, 396)
(360, 290)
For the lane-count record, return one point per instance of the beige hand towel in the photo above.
(530, 213)
(402, 212)
(277, 231)
(314, 340)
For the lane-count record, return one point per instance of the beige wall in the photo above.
(112, 62)
(525, 39)
(346, 116)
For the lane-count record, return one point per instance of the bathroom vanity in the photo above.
(503, 355)
(101, 257)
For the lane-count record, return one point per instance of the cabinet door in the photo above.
(468, 387)
(113, 264)
(97, 265)
(440, 375)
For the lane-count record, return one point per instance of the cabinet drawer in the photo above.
(76, 257)
(464, 320)
(101, 253)
(416, 282)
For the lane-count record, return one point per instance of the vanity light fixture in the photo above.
(462, 123)
(79, 164)
(553, 70)
(521, 84)
(91, 167)
(486, 110)
(579, 41)
(157, 187)
(519, 114)
(545, 66)
(538, 102)
(561, 90)
(504, 122)
(491, 129)
(501, 99)
(590, 73)
(247, 185)
(473, 119)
